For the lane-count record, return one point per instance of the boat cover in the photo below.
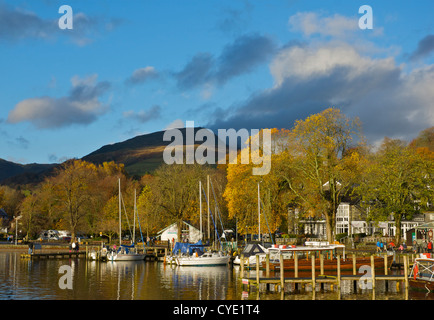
(188, 247)
(252, 249)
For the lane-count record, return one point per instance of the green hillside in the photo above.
(140, 155)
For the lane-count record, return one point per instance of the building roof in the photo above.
(428, 225)
(175, 224)
(3, 214)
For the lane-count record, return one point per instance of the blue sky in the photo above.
(134, 67)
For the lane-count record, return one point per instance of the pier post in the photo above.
(282, 273)
(267, 265)
(339, 272)
(313, 272)
(242, 266)
(295, 264)
(354, 265)
(385, 264)
(257, 270)
(373, 272)
(406, 272)
(321, 263)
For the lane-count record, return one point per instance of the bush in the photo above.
(340, 236)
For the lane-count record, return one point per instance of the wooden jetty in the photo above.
(55, 255)
(323, 278)
(156, 253)
(327, 264)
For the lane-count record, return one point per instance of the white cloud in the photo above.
(336, 26)
(178, 123)
(310, 61)
(81, 106)
(389, 100)
(310, 23)
(142, 74)
(144, 115)
(18, 24)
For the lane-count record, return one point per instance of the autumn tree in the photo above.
(396, 183)
(175, 191)
(39, 210)
(104, 186)
(425, 139)
(321, 163)
(72, 188)
(242, 194)
(29, 214)
(149, 218)
(2, 195)
(10, 200)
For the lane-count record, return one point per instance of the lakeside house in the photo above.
(351, 219)
(4, 221)
(189, 233)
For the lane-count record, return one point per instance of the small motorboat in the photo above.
(422, 274)
(250, 251)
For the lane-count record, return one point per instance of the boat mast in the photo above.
(200, 204)
(120, 209)
(259, 215)
(134, 223)
(209, 228)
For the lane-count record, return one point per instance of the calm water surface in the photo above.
(25, 279)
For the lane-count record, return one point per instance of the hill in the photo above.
(141, 154)
(12, 173)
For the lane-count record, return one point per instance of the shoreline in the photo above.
(45, 247)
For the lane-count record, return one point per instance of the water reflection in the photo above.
(39, 279)
(140, 280)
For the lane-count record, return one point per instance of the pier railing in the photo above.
(279, 279)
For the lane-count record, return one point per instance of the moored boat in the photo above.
(249, 252)
(329, 262)
(206, 259)
(98, 254)
(192, 254)
(422, 274)
(125, 253)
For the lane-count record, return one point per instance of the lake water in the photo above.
(26, 279)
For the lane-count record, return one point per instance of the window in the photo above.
(342, 218)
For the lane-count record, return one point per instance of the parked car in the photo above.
(48, 235)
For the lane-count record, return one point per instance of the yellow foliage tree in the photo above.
(243, 188)
(322, 162)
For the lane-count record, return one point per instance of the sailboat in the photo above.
(124, 252)
(198, 258)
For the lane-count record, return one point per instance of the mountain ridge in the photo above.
(141, 154)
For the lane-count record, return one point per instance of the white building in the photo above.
(349, 220)
(188, 233)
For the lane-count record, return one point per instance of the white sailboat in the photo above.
(125, 253)
(198, 258)
(207, 259)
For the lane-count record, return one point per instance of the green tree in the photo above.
(396, 183)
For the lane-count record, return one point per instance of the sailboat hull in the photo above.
(126, 257)
(202, 261)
